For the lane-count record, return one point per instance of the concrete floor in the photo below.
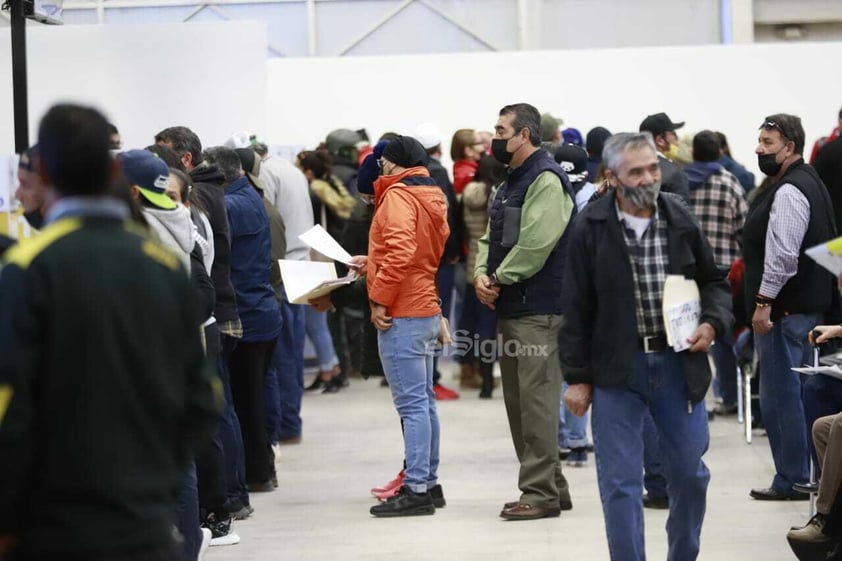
(352, 442)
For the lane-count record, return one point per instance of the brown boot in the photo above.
(469, 377)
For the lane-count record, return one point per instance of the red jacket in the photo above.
(405, 243)
(463, 173)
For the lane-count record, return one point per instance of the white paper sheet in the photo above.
(318, 239)
(682, 309)
(305, 280)
(828, 255)
(832, 371)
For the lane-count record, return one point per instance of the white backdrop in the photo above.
(214, 78)
(727, 88)
(208, 76)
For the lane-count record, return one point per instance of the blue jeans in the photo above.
(478, 323)
(316, 329)
(725, 384)
(288, 363)
(229, 431)
(406, 350)
(784, 347)
(187, 512)
(572, 430)
(654, 480)
(618, 416)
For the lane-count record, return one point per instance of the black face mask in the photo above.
(35, 218)
(498, 149)
(768, 165)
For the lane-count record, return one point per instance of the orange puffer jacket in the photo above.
(406, 242)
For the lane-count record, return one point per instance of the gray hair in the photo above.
(226, 160)
(616, 144)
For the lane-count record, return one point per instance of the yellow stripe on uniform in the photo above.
(26, 251)
(6, 393)
(160, 254)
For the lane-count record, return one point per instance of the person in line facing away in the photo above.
(518, 272)
(96, 431)
(251, 267)
(719, 204)
(406, 242)
(208, 183)
(614, 351)
(786, 292)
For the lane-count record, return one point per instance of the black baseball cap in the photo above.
(658, 124)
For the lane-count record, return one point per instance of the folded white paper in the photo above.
(828, 255)
(306, 280)
(682, 308)
(318, 239)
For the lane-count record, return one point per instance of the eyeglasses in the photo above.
(772, 125)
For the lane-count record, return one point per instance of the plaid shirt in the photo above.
(721, 209)
(649, 259)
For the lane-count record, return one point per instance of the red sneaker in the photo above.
(393, 485)
(443, 393)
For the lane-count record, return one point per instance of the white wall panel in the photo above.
(723, 88)
(210, 77)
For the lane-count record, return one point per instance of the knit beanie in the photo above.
(406, 152)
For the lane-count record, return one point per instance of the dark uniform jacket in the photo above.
(104, 389)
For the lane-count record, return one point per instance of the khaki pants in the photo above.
(531, 390)
(827, 436)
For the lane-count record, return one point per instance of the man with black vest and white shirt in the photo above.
(520, 263)
(786, 292)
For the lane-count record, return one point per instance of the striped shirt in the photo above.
(788, 222)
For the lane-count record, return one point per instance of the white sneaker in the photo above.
(222, 531)
(206, 539)
(231, 538)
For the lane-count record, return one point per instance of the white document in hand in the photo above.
(834, 371)
(828, 255)
(682, 308)
(305, 280)
(318, 239)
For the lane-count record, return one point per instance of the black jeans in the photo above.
(249, 364)
(210, 460)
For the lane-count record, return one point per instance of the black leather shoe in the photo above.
(658, 503)
(523, 511)
(405, 503)
(563, 505)
(806, 487)
(317, 384)
(437, 494)
(772, 494)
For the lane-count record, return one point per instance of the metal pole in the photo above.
(19, 89)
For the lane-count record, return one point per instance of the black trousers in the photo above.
(249, 364)
(210, 460)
